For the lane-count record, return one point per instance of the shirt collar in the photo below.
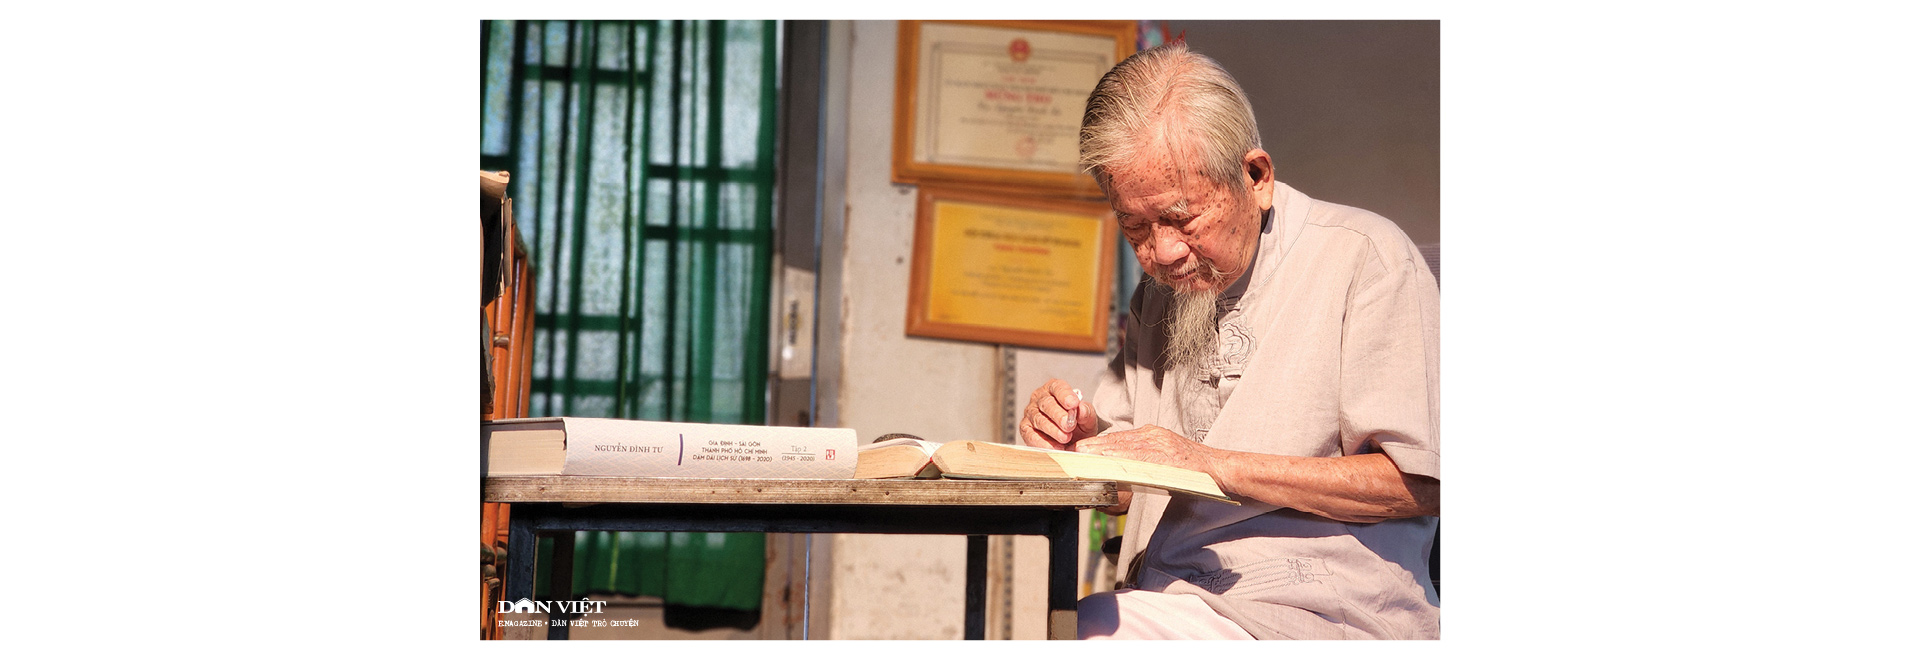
(1280, 226)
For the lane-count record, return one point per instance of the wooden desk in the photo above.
(975, 508)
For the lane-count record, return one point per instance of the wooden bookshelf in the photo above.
(506, 342)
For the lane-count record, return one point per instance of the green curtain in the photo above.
(641, 155)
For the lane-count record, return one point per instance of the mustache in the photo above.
(1195, 265)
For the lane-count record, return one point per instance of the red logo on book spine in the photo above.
(829, 454)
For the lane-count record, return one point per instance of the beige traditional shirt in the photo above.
(1330, 346)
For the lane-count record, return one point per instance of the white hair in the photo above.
(1142, 93)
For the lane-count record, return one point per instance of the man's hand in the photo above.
(1365, 488)
(1152, 443)
(1056, 416)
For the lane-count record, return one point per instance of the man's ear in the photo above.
(1259, 170)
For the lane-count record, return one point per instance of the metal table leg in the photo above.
(1063, 600)
(560, 585)
(520, 549)
(976, 626)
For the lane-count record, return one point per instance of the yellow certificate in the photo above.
(1000, 269)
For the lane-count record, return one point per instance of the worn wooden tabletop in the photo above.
(588, 489)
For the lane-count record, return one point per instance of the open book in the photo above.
(909, 457)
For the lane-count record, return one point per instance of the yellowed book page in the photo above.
(895, 458)
(995, 461)
(1098, 467)
(527, 452)
(998, 461)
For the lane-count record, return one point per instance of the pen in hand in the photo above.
(1073, 417)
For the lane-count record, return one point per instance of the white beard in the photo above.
(1192, 333)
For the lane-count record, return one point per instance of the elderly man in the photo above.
(1286, 346)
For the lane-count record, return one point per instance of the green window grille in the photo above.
(642, 160)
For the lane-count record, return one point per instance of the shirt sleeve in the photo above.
(1390, 362)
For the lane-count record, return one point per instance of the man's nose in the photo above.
(1168, 245)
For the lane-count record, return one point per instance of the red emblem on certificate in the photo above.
(1019, 50)
(1025, 147)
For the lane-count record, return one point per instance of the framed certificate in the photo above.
(1003, 268)
(999, 102)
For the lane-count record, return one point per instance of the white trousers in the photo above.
(1131, 614)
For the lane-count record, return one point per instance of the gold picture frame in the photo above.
(999, 102)
(996, 266)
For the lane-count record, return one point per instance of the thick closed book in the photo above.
(909, 457)
(645, 448)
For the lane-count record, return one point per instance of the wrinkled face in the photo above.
(1187, 231)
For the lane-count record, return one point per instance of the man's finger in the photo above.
(1049, 408)
(1032, 437)
(1040, 422)
(1086, 420)
(1027, 435)
(1092, 444)
(1065, 394)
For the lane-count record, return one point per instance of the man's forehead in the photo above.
(1158, 169)
(1175, 205)
(1161, 183)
